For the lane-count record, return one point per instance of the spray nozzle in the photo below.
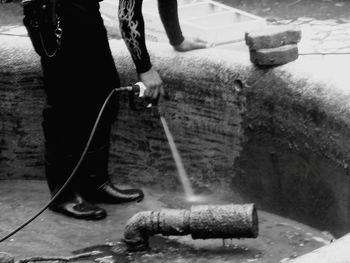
(138, 89)
(137, 101)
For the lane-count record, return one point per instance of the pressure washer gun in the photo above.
(136, 93)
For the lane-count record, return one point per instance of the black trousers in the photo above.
(77, 81)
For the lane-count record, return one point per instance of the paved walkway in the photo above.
(325, 36)
(318, 36)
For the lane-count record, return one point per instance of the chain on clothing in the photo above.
(43, 23)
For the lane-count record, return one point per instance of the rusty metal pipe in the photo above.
(201, 222)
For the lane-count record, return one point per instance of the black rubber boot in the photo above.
(77, 207)
(99, 187)
(59, 164)
(58, 168)
(109, 193)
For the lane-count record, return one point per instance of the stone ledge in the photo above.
(311, 97)
(197, 79)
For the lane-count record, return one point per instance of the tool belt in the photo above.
(42, 21)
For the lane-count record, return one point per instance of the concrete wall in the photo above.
(281, 141)
(204, 114)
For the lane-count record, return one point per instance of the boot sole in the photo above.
(106, 200)
(85, 217)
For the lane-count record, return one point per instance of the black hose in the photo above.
(74, 170)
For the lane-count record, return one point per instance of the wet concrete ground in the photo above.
(57, 235)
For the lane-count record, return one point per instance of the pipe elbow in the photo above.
(137, 230)
(202, 221)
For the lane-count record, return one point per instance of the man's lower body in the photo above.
(77, 81)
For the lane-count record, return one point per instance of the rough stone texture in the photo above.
(204, 119)
(274, 56)
(204, 115)
(225, 221)
(6, 258)
(21, 103)
(296, 155)
(273, 36)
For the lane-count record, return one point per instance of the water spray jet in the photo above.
(201, 222)
(177, 159)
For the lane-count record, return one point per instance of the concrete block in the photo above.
(273, 36)
(274, 56)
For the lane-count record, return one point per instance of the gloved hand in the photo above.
(192, 43)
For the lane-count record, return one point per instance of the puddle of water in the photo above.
(108, 253)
